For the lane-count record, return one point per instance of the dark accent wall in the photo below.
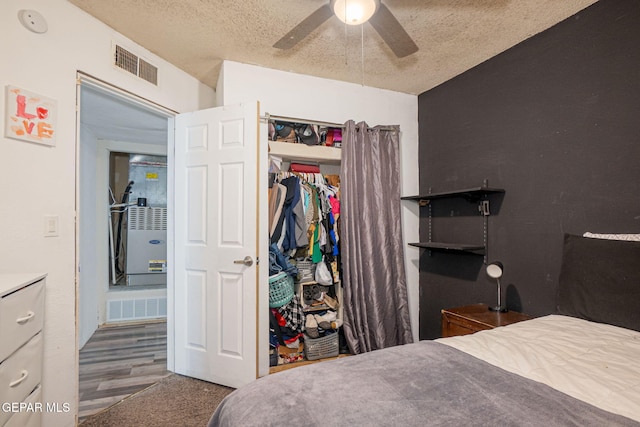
(555, 121)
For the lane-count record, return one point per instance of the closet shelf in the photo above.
(302, 152)
(316, 308)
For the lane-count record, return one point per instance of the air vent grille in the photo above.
(126, 60)
(148, 72)
(136, 309)
(137, 66)
(147, 218)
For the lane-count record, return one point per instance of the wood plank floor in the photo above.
(118, 361)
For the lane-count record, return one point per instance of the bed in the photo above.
(579, 366)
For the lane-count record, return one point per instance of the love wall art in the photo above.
(30, 117)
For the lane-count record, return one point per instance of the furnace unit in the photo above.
(146, 255)
(147, 246)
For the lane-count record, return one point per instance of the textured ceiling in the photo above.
(453, 36)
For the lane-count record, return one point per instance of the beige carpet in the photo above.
(173, 401)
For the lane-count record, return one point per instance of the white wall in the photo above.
(87, 285)
(36, 180)
(305, 97)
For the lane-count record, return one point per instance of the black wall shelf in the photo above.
(473, 195)
(470, 194)
(453, 247)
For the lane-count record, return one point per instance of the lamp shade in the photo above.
(495, 269)
(354, 12)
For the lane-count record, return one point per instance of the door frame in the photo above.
(262, 356)
(84, 80)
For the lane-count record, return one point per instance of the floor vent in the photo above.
(135, 65)
(136, 309)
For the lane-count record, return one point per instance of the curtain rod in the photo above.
(268, 117)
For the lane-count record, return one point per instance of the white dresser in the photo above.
(21, 321)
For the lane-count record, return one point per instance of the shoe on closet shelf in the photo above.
(311, 326)
(331, 302)
(324, 321)
(336, 324)
(311, 291)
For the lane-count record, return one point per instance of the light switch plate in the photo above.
(51, 223)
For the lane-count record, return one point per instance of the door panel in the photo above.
(231, 309)
(196, 309)
(196, 200)
(216, 166)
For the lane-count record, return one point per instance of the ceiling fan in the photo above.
(355, 12)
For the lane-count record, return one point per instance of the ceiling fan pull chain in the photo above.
(346, 40)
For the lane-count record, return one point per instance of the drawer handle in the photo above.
(23, 376)
(26, 318)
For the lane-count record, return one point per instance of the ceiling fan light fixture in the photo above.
(354, 12)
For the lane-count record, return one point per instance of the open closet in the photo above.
(221, 246)
(305, 287)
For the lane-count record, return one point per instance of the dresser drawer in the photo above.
(477, 317)
(455, 327)
(21, 317)
(21, 373)
(31, 415)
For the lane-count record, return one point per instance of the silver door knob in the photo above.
(248, 261)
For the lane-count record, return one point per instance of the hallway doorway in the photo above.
(113, 121)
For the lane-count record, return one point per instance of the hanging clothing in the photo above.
(285, 224)
(300, 226)
(277, 195)
(306, 218)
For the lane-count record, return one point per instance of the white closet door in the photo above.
(215, 301)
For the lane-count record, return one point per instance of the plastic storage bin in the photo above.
(319, 348)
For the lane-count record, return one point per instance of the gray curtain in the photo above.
(376, 311)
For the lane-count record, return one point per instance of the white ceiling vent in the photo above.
(148, 72)
(137, 66)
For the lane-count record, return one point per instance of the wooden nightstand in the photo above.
(477, 317)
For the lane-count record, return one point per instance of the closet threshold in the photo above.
(279, 368)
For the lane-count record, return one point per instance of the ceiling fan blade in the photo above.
(392, 32)
(304, 28)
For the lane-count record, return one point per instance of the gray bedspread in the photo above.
(421, 384)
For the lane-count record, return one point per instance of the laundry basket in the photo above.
(319, 348)
(280, 289)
